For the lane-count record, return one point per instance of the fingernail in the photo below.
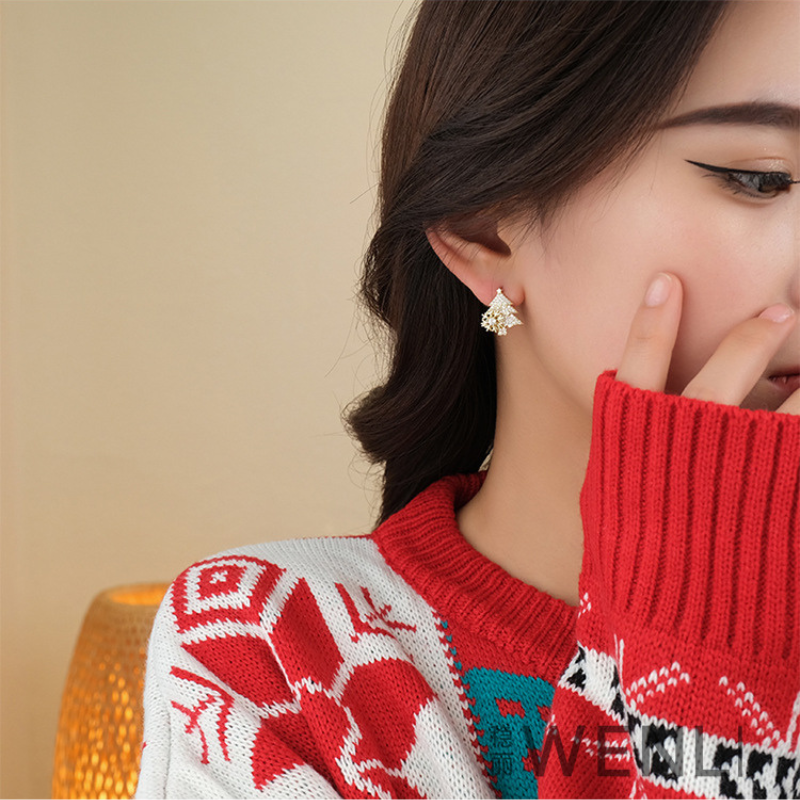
(659, 290)
(777, 313)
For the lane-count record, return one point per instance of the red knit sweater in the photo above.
(406, 664)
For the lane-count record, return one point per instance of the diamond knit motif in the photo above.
(500, 316)
(404, 664)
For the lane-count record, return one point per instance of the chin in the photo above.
(766, 396)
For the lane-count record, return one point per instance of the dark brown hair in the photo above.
(505, 107)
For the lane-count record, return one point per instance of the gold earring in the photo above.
(500, 316)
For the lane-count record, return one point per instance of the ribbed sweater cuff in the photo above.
(690, 512)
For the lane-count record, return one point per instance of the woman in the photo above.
(612, 607)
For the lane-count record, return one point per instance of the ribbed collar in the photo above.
(423, 544)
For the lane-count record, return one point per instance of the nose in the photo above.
(794, 277)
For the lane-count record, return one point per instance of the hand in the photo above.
(731, 372)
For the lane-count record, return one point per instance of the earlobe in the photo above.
(481, 267)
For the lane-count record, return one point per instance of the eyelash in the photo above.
(750, 182)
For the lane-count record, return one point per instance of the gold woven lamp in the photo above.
(100, 727)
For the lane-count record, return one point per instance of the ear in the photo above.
(479, 258)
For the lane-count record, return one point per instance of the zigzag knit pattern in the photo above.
(406, 664)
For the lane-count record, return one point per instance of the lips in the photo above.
(786, 381)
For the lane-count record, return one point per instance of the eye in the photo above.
(750, 182)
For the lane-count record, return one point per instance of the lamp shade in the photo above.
(100, 727)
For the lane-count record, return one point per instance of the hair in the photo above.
(497, 108)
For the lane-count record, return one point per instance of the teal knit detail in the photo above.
(510, 724)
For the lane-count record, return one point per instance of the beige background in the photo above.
(186, 194)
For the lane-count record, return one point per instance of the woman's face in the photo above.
(735, 251)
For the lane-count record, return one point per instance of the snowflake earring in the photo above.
(500, 316)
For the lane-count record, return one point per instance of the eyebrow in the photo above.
(774, 115)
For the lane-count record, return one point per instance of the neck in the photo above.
(526, 518)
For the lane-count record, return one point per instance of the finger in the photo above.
(645, 362)
(792, 405)
(742, 357)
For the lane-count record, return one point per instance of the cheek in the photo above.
(584, 297)
(730, 262)
(597, 273)
(732, 259)
(594, 273)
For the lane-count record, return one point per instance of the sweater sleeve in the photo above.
(220, 719)
(686, 680)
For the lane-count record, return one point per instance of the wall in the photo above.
(187, 190)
